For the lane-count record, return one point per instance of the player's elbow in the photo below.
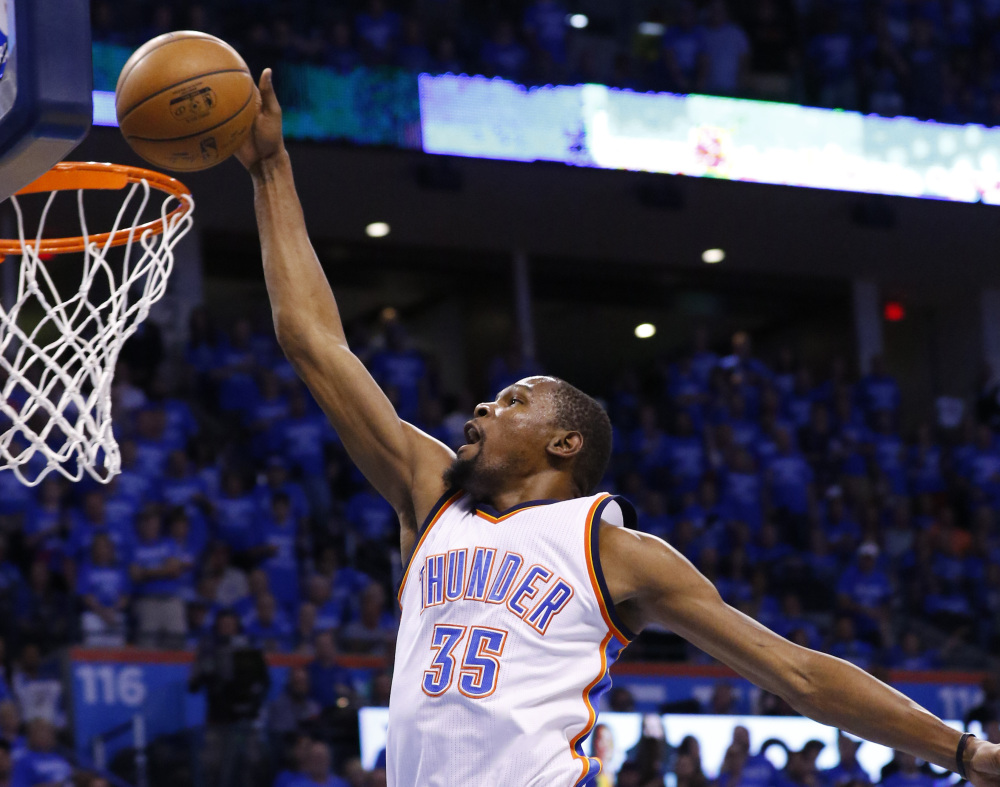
(803, 687)
(300, 341)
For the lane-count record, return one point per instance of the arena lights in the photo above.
(377, 229)
(577, 21)
(652, 29)
(713, 256)
(645, 331)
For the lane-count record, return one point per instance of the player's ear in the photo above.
(565, 445)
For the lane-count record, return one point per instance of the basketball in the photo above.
(185, 101)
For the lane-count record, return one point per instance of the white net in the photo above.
(61, 332)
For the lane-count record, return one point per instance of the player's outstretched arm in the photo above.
(652, 583)
(403, 463)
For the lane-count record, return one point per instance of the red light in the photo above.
(894, 311)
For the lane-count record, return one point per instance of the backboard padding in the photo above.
(46, 89)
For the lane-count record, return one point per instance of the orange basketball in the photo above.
(185, 101)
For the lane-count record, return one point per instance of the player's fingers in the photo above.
(267, 92)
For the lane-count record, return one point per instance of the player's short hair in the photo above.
(581, 413)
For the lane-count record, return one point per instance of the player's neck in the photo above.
(550, 485)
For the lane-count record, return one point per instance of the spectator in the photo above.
(152, 447)
(331, 607)
(687, 766)
(132, 483)
(181, 486)
(684, 57)
(268, 627)
(328, 681)
(10, 583)
(878, 391)
(10, 729)
(236, 681)
(800, 769)
(845, 644)
(864, 591)
(6, 764)
(294, 708)
(44, 522)
(302, 439)
(374, 632)
(742, 769)
(684, 455)
(43, 612)
(294, 759)
(316, 772)
(888, 452)
(236, 362)
(156, 571)
(790, 486)
(545, 26)
(269, 407)
(277, 546)
(235, 513)
(502, 55)
(378, 30)
(910, 653)
(908, 775)
(340, 53)
(40, 764)
(189, 547)
(104, 589)
(847, 770)
(38, 688)
(374, 522)
(727, 52)
(225, 583)
(259, 585)
(831, 59)
(305, 628)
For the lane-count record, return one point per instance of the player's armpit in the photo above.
(653, 583)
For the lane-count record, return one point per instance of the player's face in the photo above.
(506, 438)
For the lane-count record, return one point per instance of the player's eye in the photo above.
(515, 400)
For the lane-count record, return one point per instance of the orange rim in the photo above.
(92, 175)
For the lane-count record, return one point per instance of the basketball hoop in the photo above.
(59, 343)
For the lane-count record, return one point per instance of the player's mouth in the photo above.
(472, 433)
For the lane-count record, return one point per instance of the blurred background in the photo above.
(763, 233)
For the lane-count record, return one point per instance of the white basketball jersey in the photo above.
(505, 641)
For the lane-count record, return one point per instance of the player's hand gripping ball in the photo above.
(186, 101)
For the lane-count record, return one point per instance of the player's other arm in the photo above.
(403, 463)
(652, 583)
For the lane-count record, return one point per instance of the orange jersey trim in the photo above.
(448, 503)
(591, 712)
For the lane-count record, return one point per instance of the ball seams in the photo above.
(131, 109)
(195, 134)
(168, 38)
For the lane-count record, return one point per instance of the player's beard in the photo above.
(479, 478)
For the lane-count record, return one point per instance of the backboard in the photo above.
(46, 79)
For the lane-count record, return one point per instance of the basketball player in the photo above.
(522, 586)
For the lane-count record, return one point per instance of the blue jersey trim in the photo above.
(491, 511)
(628, 513)
(611, 653)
